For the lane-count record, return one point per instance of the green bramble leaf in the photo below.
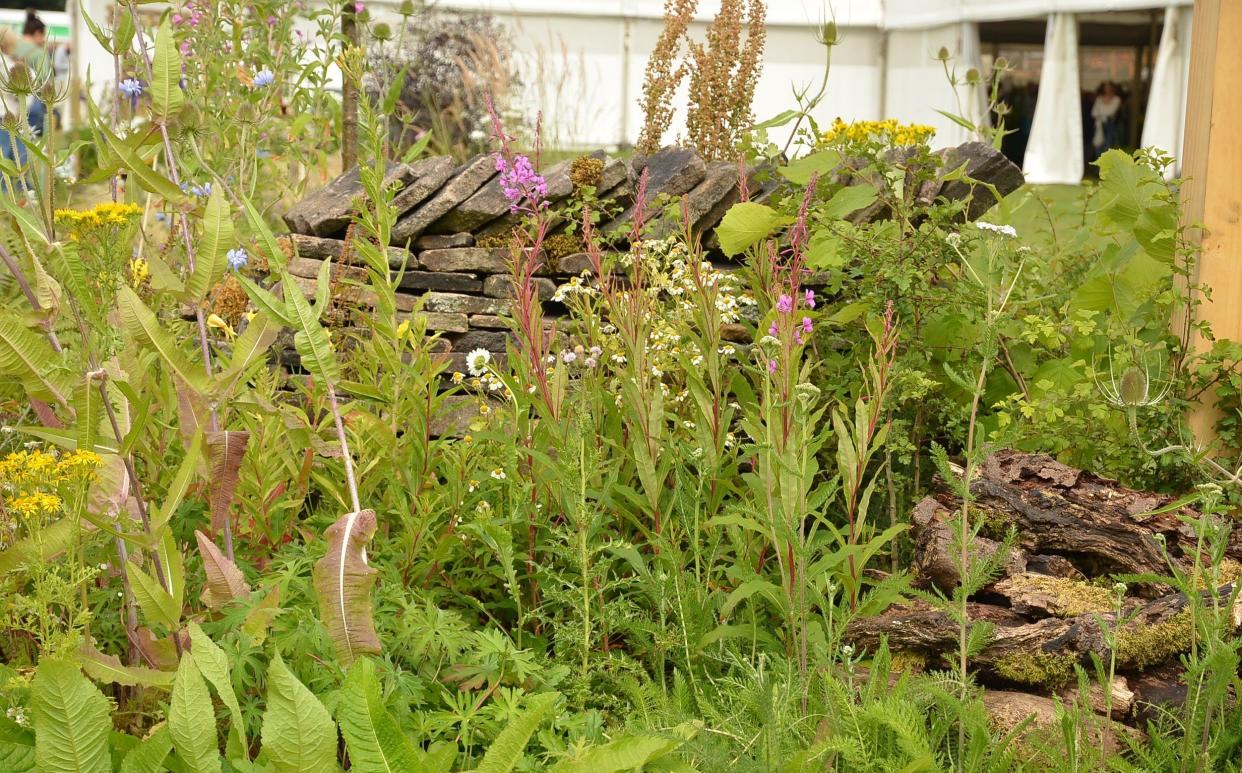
(298, 733)
(71, 720)
(745, 225)
(192, 720)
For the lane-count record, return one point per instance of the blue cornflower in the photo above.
(237, 258)
(131, 87)
(202, 191)
(263, 78)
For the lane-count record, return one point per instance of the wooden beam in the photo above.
(1212, 162)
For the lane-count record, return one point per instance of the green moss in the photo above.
(1071, 597)
(558, 246)
(1140, 645)
(494, 241)
(1038, 668)
(996, 525)
(908, 662)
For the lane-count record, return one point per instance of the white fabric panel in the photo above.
(1166, 106)
(1054, 152)
(974, 99)
(915, 85)
(909, 14)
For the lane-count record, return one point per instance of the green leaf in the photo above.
(145, 328)
(506, 751)
(146, 176)
(275, 256)
(17, 747)
(88, 410)
(149, 755)
(248, 349)
(375, 741)
(186, 472)
(849, 199)
(157, 604)
(626, 753)
(108, 668)
(799, 171)
(71, 721)
(213, 664)
(298, 733)
(192, 719)
(211, 257)
(267, 303)
(166, 95)
(745, 225)
(309, 337)
(28, 357)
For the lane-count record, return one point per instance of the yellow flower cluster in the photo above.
(34, 506)
(886, 132)
(139, 271)
(32, 483)
(108, 213)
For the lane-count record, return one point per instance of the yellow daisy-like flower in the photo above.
(35, 506)
(23, 469)
(78, 466)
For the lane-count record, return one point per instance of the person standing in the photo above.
(32, 50)
(1104, 112)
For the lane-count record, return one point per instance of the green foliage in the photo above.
(71, 721)
(298, 732)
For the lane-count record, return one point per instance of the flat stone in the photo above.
(720, 182)
(501, 286)
(455, 413)
(489, 205)
(429, 175)
(457, 303)
(489, 321)
(441, 321)
(357, 296)
(443, 241)
(327, 211)
(322, 249)
(672, 171)
(984, 163)
(441, 280)
(480, 339)
(735, 332)
(575, 264)
(465, 259)
(309, 268)
(466, 179)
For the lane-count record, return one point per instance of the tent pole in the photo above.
(1212, 196)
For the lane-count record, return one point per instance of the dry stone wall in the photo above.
(451, 217)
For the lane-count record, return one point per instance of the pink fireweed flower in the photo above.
(809, 298)
(784, 304)
(519, 180)
(773, 330)
(771, 366)
(807, 325)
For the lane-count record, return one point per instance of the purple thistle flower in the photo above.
(784, 304)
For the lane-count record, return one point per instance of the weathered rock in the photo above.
(309, 268)
(429, 175)
(575, 264)
(443, 322)
(465, 304)
(480, 339)
(985, 164)
(355, 296)
(501, 286)
(322, 249)
(441, 280)
(443, 241)
(721, 179)
(326, 212)
(465, 180)
(489, 202)
(465, 259)
(489, 321)
(670, 170)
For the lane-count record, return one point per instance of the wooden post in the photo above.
(1212, 160)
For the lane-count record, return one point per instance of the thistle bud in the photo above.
(1133, 386)
(1001, 64)
(407, 8)
(828, 33)
(381, 31)
(943, 54)
(972, 77)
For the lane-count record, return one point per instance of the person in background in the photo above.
(32, 49)
(1104, 112)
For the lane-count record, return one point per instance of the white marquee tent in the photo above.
(589, 55)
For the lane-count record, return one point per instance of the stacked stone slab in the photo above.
(447, 211)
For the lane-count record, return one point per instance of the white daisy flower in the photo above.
(477, 361)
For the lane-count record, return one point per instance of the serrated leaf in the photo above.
(248, 349)
(225, 582)
(213, 664)
(156, 603)
(108, 668)
(87, 410)
(211, 257)
(375, 741)
(745, 225)
(166, 95)
(225, 452)
(149, 755)
(192, 719)
(298, 733)
(343, 583)
(17, 747)
(309, 337)
(267, 303)
(624, 754)
(506, 751)
(142, 324)
(28, 356)
(261, 615)
(71, 721)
